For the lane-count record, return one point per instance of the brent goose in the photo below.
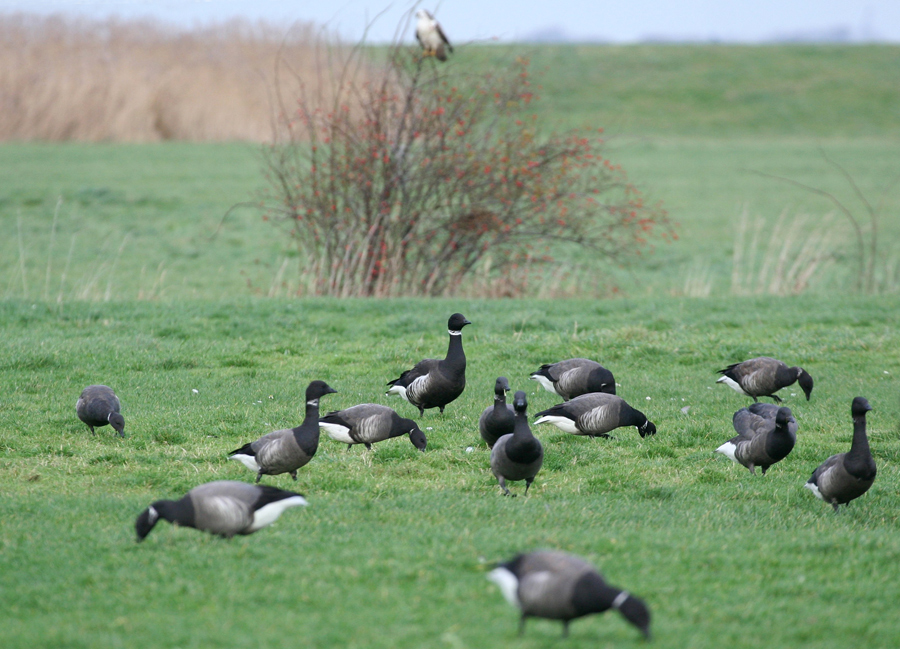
(763, 377)
(369, 423)
(499, 419)
(765, 435)
(596, 414)
(224, 507)
(97, 406)
(846, 476)
(434, 383)
(285, 451)
(574, 377)
(560, 586)
(518, 455)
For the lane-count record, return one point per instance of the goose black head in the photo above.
(501, 386)
(117, 421)
(416, 436)
(635, 611)
(805, 381)
(318, 389)
(456, 322)
(783, 417)
(860, 407)
(520, 403)
(648, 428)
(145, 522)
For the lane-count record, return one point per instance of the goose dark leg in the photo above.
(502, 482)
(442, 409)
(92, 430)
(421, 411)
(368, 446)
(294, 475)
(349, 446)
(565, 628)
(522, 623)
(837, 508)
(528, 482)
(258, 476)
(755, 400)
(775, 398)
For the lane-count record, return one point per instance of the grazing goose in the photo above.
(596, 414)
(434, 383)
(763, 377)
(847, 476)
(368, 423)
(285, 451)
(560, 586)
(224, 507)
(766, 434)
(574, 377)
(499, 419)
(519, 455)
(97, 406)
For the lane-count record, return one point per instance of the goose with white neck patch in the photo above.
(224, 507)
(285, 451)
(564, 587)
(434, 383)
(98, 406)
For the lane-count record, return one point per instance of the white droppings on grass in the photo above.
(195, 390)
(429, 428)
(648, 398)
(469, 449)
(686, 409)
(271, 397)
(793, 394)
(886, 372)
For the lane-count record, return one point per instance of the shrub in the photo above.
(412, 179)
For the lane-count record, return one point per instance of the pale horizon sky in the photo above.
(508, 20)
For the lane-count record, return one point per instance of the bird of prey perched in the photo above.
(430, 36)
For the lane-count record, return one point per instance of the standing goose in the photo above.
(225, 507)
(434, 383)
(499, 419)
(596, 414)
(285, 451)
(519, 455)
(368, 423)
(847, 476)
(97, 406)
(766, 434)
(560, 586)
(763, 377)
(574, 377)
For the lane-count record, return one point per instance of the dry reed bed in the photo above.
(142, 81)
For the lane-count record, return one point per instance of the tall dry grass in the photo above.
(142, 81)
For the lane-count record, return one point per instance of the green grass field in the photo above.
(393, 549)
(137, 282)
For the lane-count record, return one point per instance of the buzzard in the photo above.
(431, 37)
